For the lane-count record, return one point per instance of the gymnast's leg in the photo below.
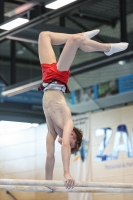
(78, 41)
(47, 39)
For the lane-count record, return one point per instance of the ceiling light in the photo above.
(58, 4)
(122, 62)
(20, 52)
(14, 23)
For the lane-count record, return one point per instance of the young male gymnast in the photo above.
(55, 78)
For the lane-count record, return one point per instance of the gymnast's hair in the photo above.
(79, 135)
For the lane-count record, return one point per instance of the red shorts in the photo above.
(50, 73)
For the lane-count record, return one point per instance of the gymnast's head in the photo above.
(76, 139)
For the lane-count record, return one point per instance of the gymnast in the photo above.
(55, 77)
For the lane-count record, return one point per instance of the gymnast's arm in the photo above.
(50, 159)
(66, 152)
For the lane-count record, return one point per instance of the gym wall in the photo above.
(112, 149)
(22, 156)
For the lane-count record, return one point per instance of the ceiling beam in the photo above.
(1, 11)
(2, 78)
(86, 16)
(20, 61)
(29, 48)
(13, 2)
(100, 62)
(12, 62)
(123, 20)
(21, 9)
(84, 27)
(26, 36)
(45, 17)
(16, 89)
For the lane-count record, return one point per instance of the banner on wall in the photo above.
(80, 161)
(112, 145)
(118, 146)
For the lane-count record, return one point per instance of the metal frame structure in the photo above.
(44, 18)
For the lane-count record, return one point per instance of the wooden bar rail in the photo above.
(41, 186)
(21, 188)
(55, 183)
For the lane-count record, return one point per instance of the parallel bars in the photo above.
(41, 186)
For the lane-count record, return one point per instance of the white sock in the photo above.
(117, 47)
(90, 34)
